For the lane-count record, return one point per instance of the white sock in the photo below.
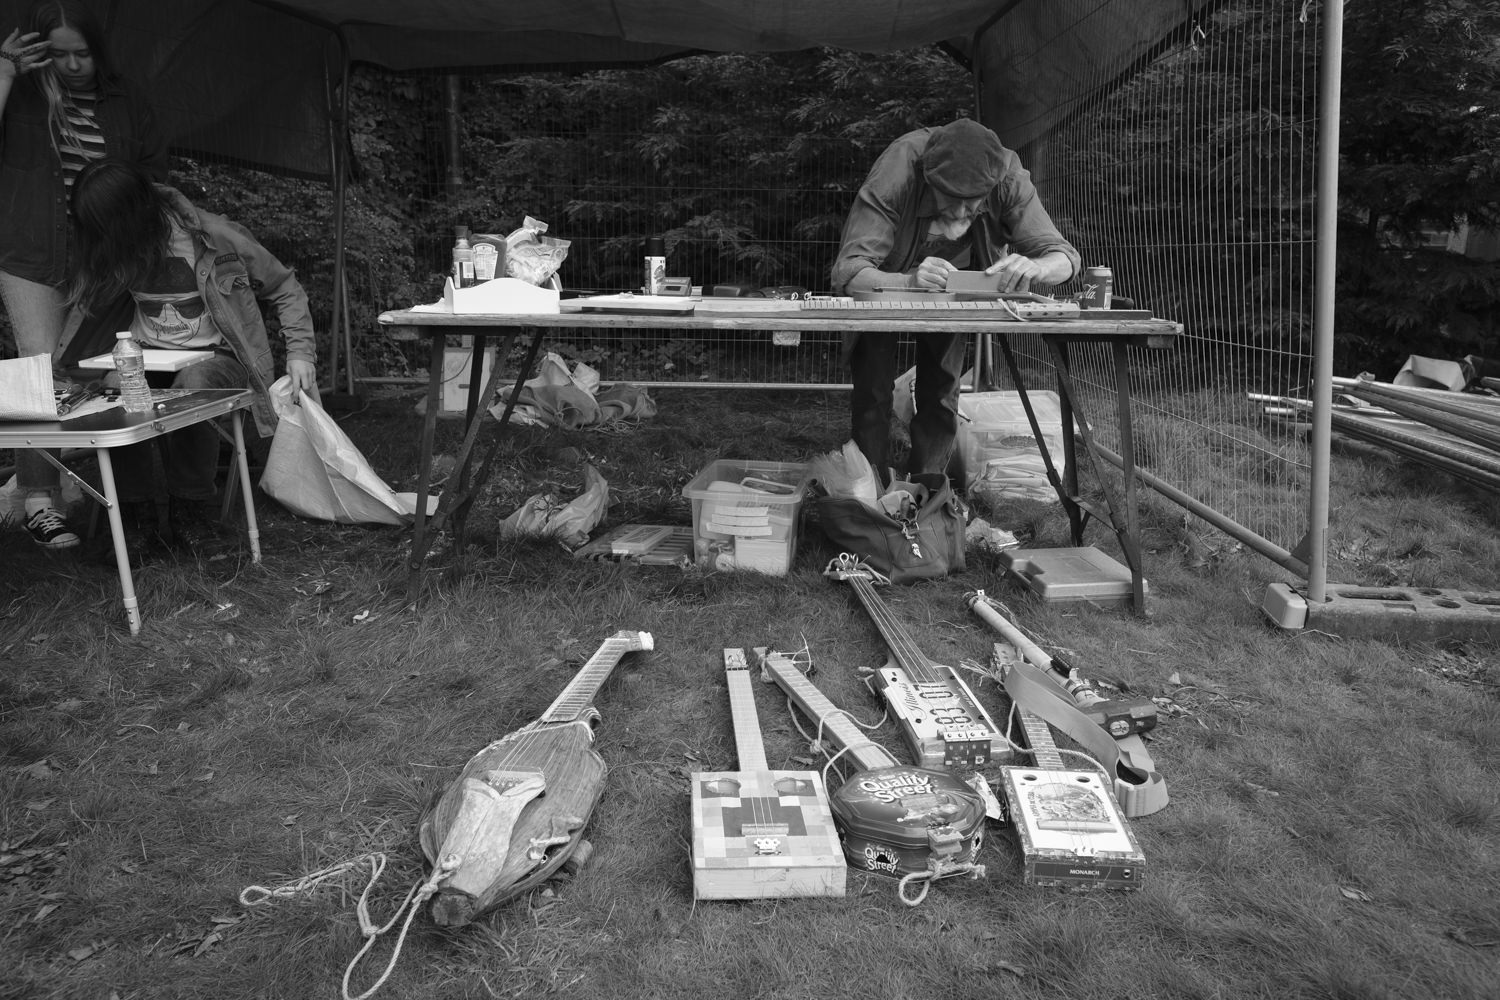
(38, 501)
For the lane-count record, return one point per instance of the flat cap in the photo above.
(963, 159)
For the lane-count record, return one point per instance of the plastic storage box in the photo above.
(747, 514)
(1001, 458)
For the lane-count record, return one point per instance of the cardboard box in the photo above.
(507, 296)
(747, 515)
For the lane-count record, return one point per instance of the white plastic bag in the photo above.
(847, 473)
(569, 523)
(314, 470)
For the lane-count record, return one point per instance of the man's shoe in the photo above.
(193, 525)
(49, 529)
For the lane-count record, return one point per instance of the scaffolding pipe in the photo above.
(1329, 98)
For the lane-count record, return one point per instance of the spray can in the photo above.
(1098, 288)
(656, 265)
(463, 258)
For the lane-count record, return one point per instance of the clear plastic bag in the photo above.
(532, 256)
(847, 473)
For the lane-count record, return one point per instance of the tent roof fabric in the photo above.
(254, 79)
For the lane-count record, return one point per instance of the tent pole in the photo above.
(337, 147)
(1315, 547)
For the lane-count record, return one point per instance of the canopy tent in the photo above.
(257, 80)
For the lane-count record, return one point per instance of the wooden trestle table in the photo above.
(1120, 330)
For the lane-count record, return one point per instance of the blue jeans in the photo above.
(190, 456)
(934, 427)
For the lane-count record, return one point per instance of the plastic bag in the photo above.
(848, 474)
(531, 256)
(570, 523)
(314, 470)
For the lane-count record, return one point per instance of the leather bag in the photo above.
(925, 542)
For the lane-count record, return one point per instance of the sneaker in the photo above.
(50, 530)
(192, 524)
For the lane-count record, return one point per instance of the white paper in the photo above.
(26, 389)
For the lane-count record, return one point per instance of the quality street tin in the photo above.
(900, 820)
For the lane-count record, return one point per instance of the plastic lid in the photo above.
(460, 230)
(122, 334)
(656, 247)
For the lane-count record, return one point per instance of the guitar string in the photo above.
(743, 714)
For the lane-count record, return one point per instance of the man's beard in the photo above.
(951, 228)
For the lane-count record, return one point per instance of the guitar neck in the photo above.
(576, 698)
(747, 741)
(867, 754)
(1039, 741)
(917, 666)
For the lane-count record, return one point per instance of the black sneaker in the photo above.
(194, 526)
(49, 529)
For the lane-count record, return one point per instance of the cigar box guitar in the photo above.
(1068, 822)
(912, 823)
(517, 811)
(759, 833)
(943, 722)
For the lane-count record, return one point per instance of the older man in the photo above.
(936, 201)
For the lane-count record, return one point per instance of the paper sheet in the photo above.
(26, 389)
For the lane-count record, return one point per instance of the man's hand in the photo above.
(304, 376)
(932, 274)
(1017, 273)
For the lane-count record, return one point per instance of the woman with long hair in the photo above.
(198, 282)
(62, 105)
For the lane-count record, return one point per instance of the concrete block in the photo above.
(1422, 614)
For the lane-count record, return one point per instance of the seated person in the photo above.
(197, 280)
(936, 201)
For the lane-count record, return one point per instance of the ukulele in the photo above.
(759, 833)
(943, 722)
(516, 812)
(912, 823)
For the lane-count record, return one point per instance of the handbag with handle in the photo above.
(922, 540)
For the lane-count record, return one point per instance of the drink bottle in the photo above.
(130, 362)
(463, 258)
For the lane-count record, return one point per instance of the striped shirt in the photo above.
(87, 142)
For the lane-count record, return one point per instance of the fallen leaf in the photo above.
(79, 954)
(1262, 789)
(39, 638)
(69, 705)
(182, 727)
(153, 768)
(205, 777)
(44, 912)
(290, 820)
(129, 868)
(1015, 970)
(1175, 680)
(39, 771)
(362, 616)
(1474, 938)
(207, 943)
(40, 805)
(1358, 895)
(226, 920)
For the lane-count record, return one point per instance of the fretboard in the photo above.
(579, 694)
(747, 741)
(867, 754)
(1039, 741)
(917, 667)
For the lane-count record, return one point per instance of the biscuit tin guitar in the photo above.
(517, 811)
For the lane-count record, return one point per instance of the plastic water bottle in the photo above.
(130, 362)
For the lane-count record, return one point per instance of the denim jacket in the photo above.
(34, 228)
(235, 275)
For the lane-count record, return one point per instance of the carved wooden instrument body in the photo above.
(759, 833)
(516, 812)
(943, 722)
(894, 819)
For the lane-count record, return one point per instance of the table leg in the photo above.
(242, 461)
(117, 535)
(1077, 518)
(1131, 541)
(424, 467)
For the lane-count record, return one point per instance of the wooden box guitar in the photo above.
(759, 833)
(517, 811)
(943, 722)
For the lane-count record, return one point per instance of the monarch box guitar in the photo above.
(1070, 827)
(941, 719)
(759, 833)
(517, 811)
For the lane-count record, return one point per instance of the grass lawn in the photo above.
(1334, 829)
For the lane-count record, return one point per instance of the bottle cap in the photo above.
(461, 231)
(122, 334)
(656, 247)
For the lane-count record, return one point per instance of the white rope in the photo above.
(418, 894)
